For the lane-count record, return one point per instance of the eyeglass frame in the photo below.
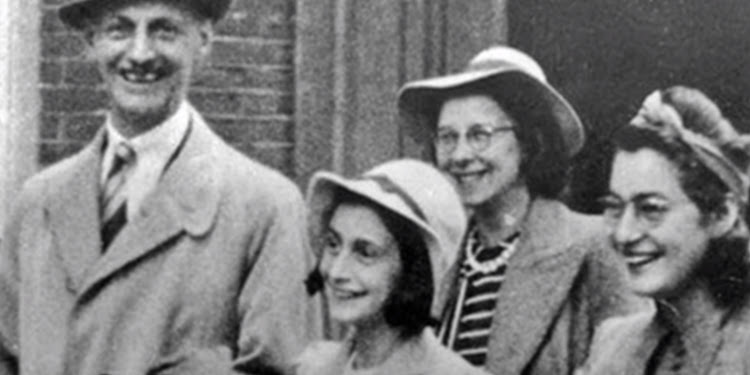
(475, 144)
(644, 218)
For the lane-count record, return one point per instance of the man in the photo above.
(157, 249)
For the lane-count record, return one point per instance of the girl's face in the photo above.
(360, 265)
(655, 227)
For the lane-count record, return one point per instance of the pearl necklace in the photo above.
(490, 265)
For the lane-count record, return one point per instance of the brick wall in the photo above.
(246, 93)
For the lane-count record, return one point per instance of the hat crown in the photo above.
(435, 197)
(506, 58)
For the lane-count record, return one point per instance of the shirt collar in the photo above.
(157, 144)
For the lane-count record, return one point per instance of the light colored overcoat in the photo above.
(624, 345)
(561, 282)
(207, 278)
(421, 355)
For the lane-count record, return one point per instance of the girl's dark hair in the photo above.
(726, 263)
(545, 163)
(408, 305)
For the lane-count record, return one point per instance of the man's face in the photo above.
(146, 52)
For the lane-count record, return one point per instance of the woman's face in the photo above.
(360, 265)
(481, 175)
(656, 229)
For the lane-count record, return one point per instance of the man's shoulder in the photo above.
(248, 177)
(53, 176)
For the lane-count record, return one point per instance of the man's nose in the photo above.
(141, 48)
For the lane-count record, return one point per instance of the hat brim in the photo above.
(321, 199)
(419, 100)
(78, 14)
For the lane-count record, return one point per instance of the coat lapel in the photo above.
(539, 279)
(73, 212)
(185, 201)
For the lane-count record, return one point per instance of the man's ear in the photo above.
(206, 30)
(725, 220)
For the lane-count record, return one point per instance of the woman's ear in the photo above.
(726, 219)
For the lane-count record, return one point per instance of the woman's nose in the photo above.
(628, 227)
(463, 150)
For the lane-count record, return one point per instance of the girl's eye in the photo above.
(613, 207)
(330, 243)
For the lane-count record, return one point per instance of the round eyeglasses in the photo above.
(477, 137)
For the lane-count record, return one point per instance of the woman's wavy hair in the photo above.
(726, 263)
(408, 304)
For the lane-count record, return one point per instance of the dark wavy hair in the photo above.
(408, 304)
(726, 263)
(545, 163)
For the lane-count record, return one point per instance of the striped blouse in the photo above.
(466, 326)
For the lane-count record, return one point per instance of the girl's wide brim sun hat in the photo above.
(412, 189)
(500, 70)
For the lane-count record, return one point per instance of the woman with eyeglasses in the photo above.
(533, 278)
(678, 196)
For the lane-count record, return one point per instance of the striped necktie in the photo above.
(114, 200)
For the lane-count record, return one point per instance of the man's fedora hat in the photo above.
(76, 13)
(500, 70)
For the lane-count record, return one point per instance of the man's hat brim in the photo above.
(418, 100)
(77, 14)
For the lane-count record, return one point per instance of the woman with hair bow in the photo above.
(676, 212)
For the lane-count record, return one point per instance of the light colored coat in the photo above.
(561, 282)
(207, 278)
(624, 345)
(422, 355)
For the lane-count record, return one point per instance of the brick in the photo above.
(49, 128)
(73, 100)
(50, 72)
(268, 104)
(279, 157)
(274, 78)
(82, 128)
(82, 73)
(50, 152)
(270, 19)
(251, 130)
(51, 22)
(62, 45)
(238, 52)
(220, 103)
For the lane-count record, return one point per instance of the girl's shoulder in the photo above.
(321, 358)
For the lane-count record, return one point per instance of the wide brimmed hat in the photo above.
(502, 71)
(76, 13)
(412, 189)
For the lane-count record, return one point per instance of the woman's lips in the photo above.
(640, 259)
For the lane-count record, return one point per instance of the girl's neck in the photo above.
(501, 217)
(373, 345)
